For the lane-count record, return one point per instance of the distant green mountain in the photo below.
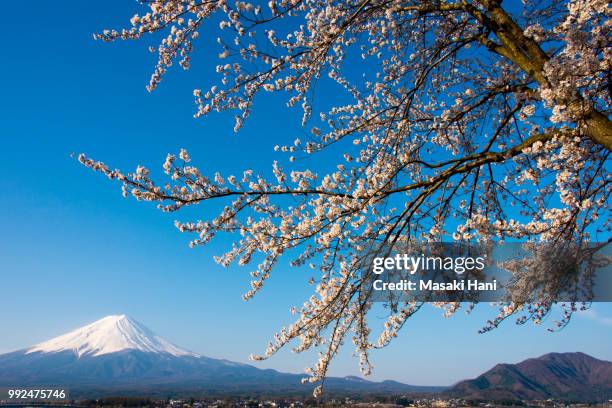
(568, 376)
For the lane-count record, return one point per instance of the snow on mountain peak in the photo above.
(110, 335)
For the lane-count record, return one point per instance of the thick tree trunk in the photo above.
(598, 128)
(528, 55)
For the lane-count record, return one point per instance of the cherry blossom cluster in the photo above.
(454, 119)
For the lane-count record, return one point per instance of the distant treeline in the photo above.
(119, 402)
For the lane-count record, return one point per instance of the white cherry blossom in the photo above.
(467, 120)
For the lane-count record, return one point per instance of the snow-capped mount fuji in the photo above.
(117, 355)
(111, 334)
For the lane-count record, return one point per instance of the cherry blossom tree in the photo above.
(471, 119)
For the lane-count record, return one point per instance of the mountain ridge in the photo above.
(116, 354)
(573, 375)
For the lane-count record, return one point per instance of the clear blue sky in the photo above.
(72, 250)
